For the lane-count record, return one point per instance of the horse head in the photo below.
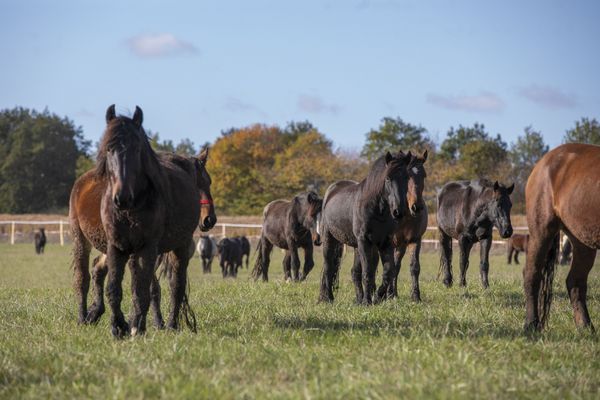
(499, 209)
(396, 183)
(416, 183)
(208, 218)
(312, 214)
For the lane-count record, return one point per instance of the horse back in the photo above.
(275, 219)
(337, 215)
(457, 202)
(84, 209)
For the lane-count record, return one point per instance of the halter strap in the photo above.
(205, 202)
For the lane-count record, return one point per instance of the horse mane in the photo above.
(373, 184)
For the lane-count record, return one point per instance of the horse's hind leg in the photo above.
(583, 260)
(465, 246)
(99, 271)
(446, 257)
(265, 250)
(332, 253)
(357, 278)
(155, 295)
(295, 263)
(510, 252)
(415, 270)
(142, 274)
(81, 273)
(287, 266)
(517, 257)
(178, 285)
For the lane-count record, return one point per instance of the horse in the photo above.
(565, 251)
(245, 246)
(230, 256)
(289, 225)
(562, 193)
(409, 231)
(515, 244)
(125, 208)
(40, 241)
(362, 215)
(207, 248)
(468, 211)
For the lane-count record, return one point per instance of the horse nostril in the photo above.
(414, 208)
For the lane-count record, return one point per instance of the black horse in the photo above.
(245, 246)
(230, 256)
(363, 215)
(467, 212)
(289, 225)
(40, 241)
(207, 248)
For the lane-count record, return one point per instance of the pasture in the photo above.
(273, 340)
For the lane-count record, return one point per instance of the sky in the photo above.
(199, 67)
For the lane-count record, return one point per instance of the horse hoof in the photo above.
(325, 299)
(416, 297)
(448, 283)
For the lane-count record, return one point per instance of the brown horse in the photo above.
(562, 193)
(126, 209)
(516, 244)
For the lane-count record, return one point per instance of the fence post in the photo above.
(223, 230)
(12, 232)
(62, 238)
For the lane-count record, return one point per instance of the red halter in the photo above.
(205, 202)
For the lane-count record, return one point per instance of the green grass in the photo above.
(273, 340)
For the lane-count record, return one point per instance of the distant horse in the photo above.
(363, 215)
(126, 208)
(409, 230)
(562, 193)
(467, 212)
(230, 256)
(245, 243)
(516, 244)
(40, 240)
(565, 251)
(289, 225)
(207, 248)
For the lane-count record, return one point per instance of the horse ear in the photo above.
(388, 157)
(496, 186)
(110, 113)
(203, 156)
(510, 189)
(138, 117)
(424, 156)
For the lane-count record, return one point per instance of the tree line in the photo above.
(41, 155)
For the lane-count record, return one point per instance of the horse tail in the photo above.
(258, 263)
(187, 314)
(545, 293)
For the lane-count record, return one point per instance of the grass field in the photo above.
(273, 340)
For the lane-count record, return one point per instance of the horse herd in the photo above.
(138, 207)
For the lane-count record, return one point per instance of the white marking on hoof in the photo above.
(134, 331)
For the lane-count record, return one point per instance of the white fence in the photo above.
(223, 227)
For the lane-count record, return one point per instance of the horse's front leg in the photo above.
(142, 273)
(116, 261)
(484, 265)
(99, 271)
(465, 246)
(415, 270)
(178, 284)
(386, 253)
(368, 260)
(295, 262)
(155, 296)
(357, 278)
(309, 261)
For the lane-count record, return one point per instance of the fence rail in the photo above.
(61, 229)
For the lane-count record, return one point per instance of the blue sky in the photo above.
(199, 67)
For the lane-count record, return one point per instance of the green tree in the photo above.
(39, 153)
(585, 131)
(393, 135)
(157, 144)
(523, 156)
(186, 147)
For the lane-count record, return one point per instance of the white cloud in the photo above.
(159, 45)
(548, 97)
(483, 102)
(316, 105)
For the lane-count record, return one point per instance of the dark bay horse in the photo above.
(207, 248)
(245, 246)
(362, 215)
(126, 208)
(516, 244)
(409, 230)
(40, 241)
(468, 211)
(289, 225)
(230, 256)
(562, 193)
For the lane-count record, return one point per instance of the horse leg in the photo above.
(178, 284)
(332, 253)
(287, 266)
(389, 272)
(510, 252)
(142, 273)
(265, 249)
(116, 261)
(309, 261)
(415, 270)
(295, 261)
(516, 256)
(99, 271)
(446, 257)
(81, 273)
(368, 260)
(155, 296)
(465, 246)
(484, 264)
(357, 278)
(583, 260)
(398, 256)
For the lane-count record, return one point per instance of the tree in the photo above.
(393, 135)
(585, 131)
(186, 147)
(456, 139)
(523, 155)
(39, 153)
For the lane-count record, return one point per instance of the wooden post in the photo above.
(62, 238)
(223, 230)
(12, 232)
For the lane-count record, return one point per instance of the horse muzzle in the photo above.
(397, 214)
(506, 233)
(208, 222)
